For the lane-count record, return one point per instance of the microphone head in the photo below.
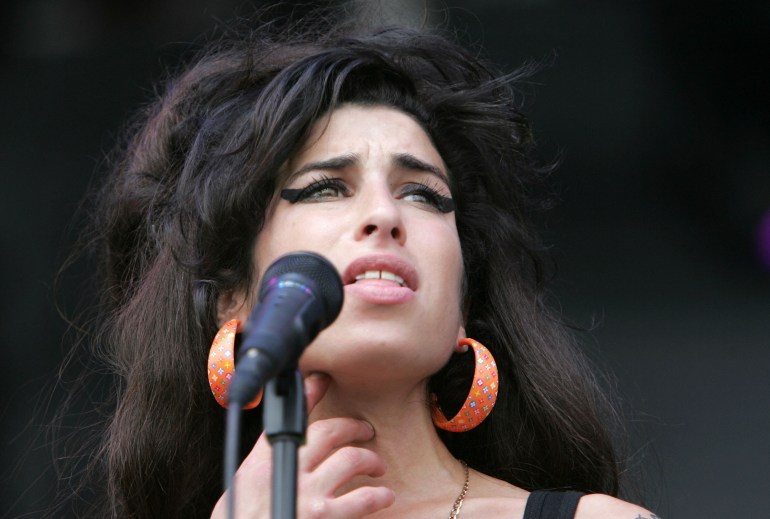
(316, 269)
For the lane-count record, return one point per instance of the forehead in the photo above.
(367, 130)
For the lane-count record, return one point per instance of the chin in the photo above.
(374, 357)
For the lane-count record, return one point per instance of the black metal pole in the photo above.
(285, 423)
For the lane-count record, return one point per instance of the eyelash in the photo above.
(305, 194)
(433, 198)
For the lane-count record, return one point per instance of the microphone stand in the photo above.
(285, 422)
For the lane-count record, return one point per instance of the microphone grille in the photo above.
(318, 270)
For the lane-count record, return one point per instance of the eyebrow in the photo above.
(334, 163)
(400, 160)
(407, 161)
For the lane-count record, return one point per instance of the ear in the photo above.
(460, 335)
(232, 305)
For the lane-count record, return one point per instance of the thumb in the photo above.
(316, 385)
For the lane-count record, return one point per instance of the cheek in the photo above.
(441, 244)
(457, 271)
(446, 242)
(292, 231)
(276, 238)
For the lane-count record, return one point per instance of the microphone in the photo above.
(300, 295)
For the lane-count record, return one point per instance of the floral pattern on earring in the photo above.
(481, 397)
(221, 364)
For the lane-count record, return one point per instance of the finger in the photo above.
(316, 385)
(361, 502)
(324, 436)
(343, 465)
(258, 463)
(357, 503)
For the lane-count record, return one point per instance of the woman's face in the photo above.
(370, 192)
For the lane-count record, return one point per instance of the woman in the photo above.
(404, 160)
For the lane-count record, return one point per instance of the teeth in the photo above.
(391, 277)
(381, 274)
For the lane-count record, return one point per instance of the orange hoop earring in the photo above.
(481, 398)
(221, 364)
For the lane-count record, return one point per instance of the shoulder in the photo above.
(491, 497)
(600, 506)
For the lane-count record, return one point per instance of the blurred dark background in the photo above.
(660, 112)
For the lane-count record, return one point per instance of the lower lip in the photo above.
(379, 292)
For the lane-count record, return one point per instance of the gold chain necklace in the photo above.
(459, 501)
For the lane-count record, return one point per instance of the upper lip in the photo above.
(388, 262)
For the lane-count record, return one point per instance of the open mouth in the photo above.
(381, 274)
(383, 270)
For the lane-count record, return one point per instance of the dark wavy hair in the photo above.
(186, 196)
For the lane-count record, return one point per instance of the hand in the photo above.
(327, 461)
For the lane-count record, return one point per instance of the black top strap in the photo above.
(548, 504)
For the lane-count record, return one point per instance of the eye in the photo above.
(319, 190)
(424, 194)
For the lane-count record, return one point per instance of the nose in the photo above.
(381, 218)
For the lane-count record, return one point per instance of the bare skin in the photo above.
(342, 475)
(368, 190)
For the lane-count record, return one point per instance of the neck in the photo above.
(420, 468)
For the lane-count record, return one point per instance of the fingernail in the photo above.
(317, 375)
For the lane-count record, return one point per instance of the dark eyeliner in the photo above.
(292, 195)
(444, 204)
(304, 193)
